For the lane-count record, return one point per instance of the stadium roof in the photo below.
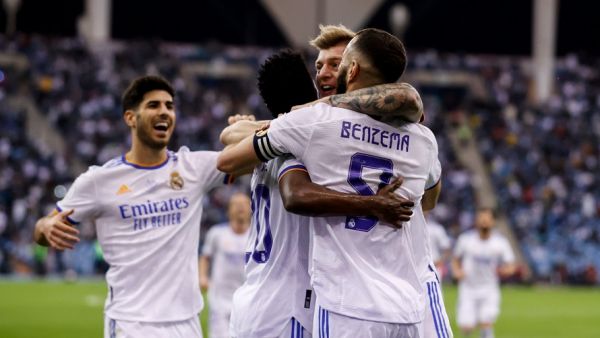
(502, 27)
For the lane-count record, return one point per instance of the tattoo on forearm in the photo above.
(398, 99)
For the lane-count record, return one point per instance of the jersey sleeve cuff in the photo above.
(72, 221)
(291, 168)
(433, 185)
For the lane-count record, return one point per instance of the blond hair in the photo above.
(332, 35)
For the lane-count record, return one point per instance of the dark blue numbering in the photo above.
(359, 161)
(261, 200)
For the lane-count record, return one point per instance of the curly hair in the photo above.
(284, 81)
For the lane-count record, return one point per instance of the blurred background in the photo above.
(511, 89)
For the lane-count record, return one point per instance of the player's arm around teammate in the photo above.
(301, 196)
(430, 198)
(391, 100)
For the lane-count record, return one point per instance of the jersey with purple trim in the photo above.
(435, 322)
(481, 259)
(147, 221)
(359, 268)
(420, 232)
(226, 250)
(277, 285)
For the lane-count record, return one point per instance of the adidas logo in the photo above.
(123, 189)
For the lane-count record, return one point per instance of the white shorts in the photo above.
(126, 329)
(435, 323)
(333, 325)
(477, 306)
(294, 330)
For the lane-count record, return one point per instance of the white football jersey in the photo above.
(439, 240)
(359, 268)
(422, 249)
(226, 250)
(277, 285)
(481, 258)
(147, 221)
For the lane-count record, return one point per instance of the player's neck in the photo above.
(146, 156)
(239, 227)
(485, 235)
(362, 83)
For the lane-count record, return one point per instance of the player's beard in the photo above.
(485, 231)
(143, 133)
(341, 81)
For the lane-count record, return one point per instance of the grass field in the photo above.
(74, 310)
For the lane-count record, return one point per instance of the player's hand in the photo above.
(239, 117)
(204, 283)
(59, 233)
(265, 126)
(394, 209)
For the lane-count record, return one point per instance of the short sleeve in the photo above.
(287, 134)
(434, 175)
(289, 164)
(459, 249)
(205, 163)
(507, 253)
(210, 243)
(81, 197)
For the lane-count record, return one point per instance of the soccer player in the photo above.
(146, 206)
(331, 43)
(223, 250)
(276, 300)
(480, 257)
(363, 273)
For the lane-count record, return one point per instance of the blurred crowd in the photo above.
(543, 160)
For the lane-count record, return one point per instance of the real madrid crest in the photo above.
(176, 181)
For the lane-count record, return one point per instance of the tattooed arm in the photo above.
(388, 100)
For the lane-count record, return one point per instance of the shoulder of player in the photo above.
(468, 235)
(112, 163)
(314, 114)
(218, 228)
(499, 238)
(425, 130)
(95, 171)
(185, 154)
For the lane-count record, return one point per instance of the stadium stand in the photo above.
(524, 146)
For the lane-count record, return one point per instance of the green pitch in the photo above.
(74, 310)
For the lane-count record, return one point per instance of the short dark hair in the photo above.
(134, 94)
(284, 81)
(385, 52)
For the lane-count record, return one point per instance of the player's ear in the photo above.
(129, 117)
(353, 71)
